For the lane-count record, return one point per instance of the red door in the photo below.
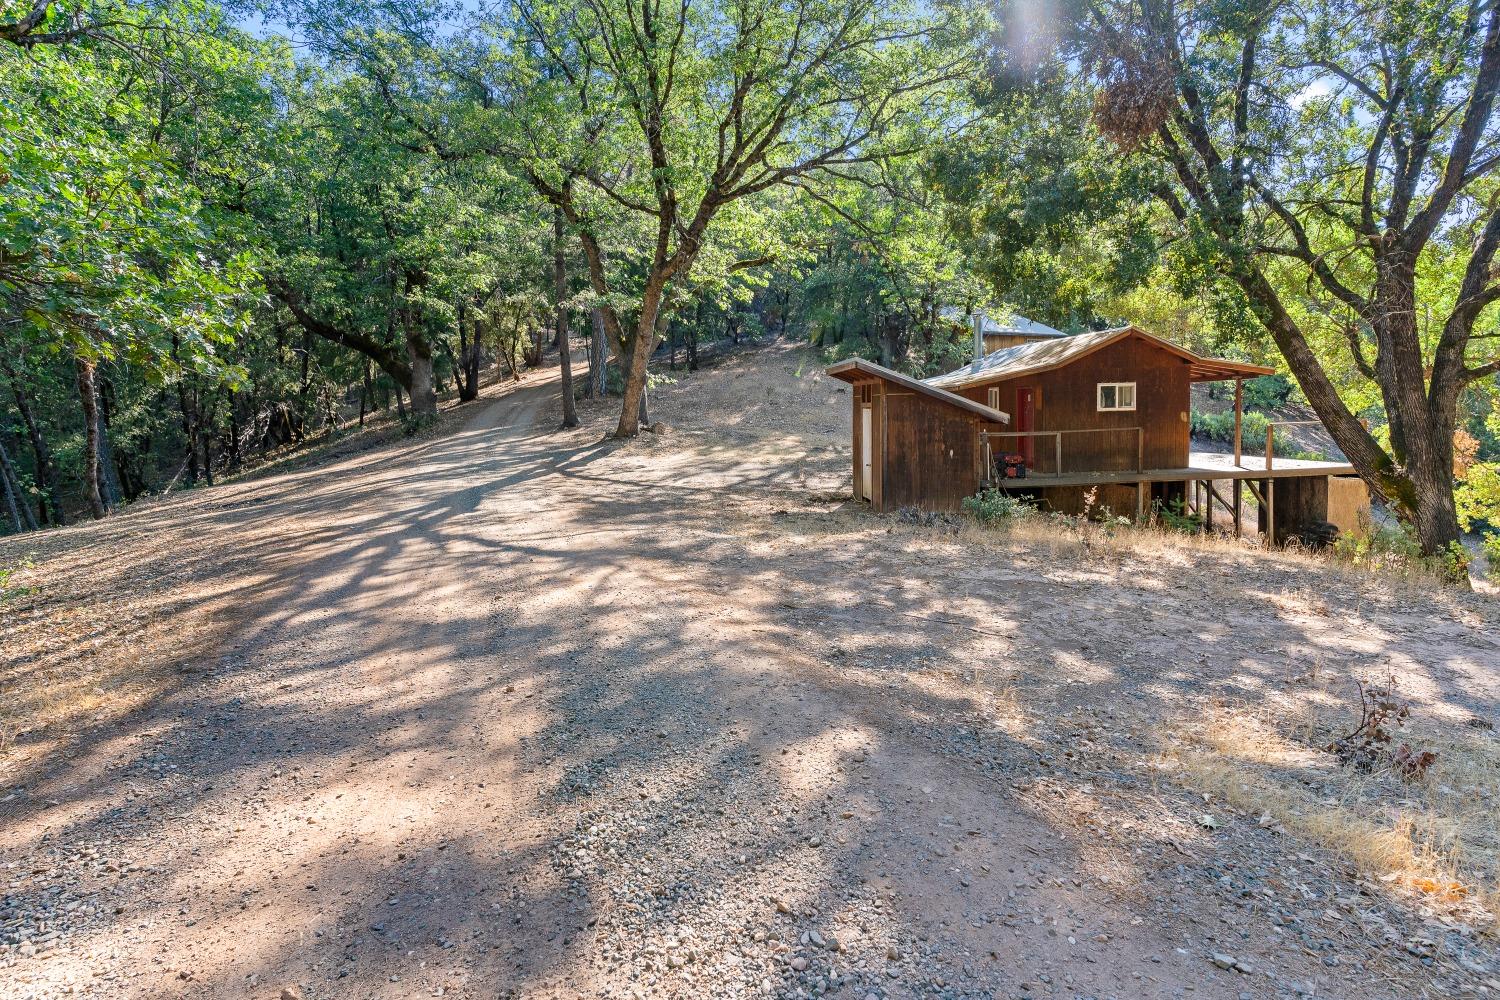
(1026, 421)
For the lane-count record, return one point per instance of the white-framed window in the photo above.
(994, 397)
(1116, 395)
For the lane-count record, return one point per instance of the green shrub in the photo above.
(1478, 497)
(992, 506)
(7, 573)
(1395, 546)
(1172, 517)
(413, 424)
(1268, 391)
(1220, 427)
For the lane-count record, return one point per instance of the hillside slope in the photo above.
(511, 711)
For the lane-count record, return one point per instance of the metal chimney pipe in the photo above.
(978, 336)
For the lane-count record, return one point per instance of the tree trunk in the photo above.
(1421, 428)
(366, 394)
(419, 358)
(376, 349)
(598, 381)
(1435, 517)
(46, 474)
(20, 511)
(90, 439)
(205, 439)
(693, 333)
(534, 342)
(560, 291)
(468, 358)
(423, 398)
(637, 363)
(1419, 484)
(234, 431)
(190, 438)
(109, 477)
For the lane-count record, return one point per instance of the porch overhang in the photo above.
(1221, 370)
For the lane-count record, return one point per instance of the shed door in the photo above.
(865, 432)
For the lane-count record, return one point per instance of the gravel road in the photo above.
(514, 713)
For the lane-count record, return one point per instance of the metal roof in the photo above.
(1014, 324)
(1045, 355)
(1020, 326)
(858, 370)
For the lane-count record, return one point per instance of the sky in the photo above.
(262, 26)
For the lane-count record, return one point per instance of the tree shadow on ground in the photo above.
(439, 691)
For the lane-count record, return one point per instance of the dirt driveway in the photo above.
(515, 713)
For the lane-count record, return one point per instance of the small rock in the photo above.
(1222, 961)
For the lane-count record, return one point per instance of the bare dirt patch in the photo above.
(519, 712)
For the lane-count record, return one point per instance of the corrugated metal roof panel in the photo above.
(1024, 358)
(1014, 324)
(1042, 355)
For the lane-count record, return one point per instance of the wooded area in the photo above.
(225, 230)
(877, 499)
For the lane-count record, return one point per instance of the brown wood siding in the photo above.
(858, 460)
(996, 341)
(928, 454)
(877, 453)
(1067, 400)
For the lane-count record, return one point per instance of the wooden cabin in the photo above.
(1088, 422)
(996, 333)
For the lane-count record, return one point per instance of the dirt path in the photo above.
(516, 713)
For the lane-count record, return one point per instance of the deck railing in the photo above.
(1126, 453)
(1271, 434)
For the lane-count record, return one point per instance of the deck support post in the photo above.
(1269, 486)
(1238, 489)
(1139, 501)
(1208, 513)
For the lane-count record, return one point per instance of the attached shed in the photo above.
(914, 444)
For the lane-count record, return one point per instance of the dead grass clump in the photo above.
(1435, 835)
(1116, 537)
(1371, 744)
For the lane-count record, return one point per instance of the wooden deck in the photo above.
(1202, 465)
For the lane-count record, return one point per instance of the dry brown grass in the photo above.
(1074, 537)
(99, 621)
(1436, 836)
